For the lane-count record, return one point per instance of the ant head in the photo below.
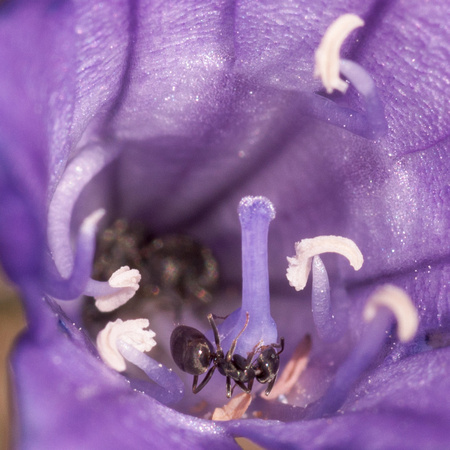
(266, 365)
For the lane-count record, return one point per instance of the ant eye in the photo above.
(190, 350)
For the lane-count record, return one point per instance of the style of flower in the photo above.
(130, 107)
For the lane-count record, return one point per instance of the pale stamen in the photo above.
(131, 332)
(124, 279)
(73, 286)
(330, 319)
(381, 309)
(125, 341)
(399, 302)
(300, 265)
(327, 55)
(78, 173)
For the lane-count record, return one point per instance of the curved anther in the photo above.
(131, 332)
(399, 302)
(125, 282)
(328, 52)
(372, 123)
(122, 341)
(300, 264)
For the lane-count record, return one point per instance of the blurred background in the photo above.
(11, 323)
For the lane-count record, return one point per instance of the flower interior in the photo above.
(157, 282)
(154, 295)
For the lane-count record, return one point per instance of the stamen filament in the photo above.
(121, 286)
(374, 123)
(330, 323)
(168, 389)
(73, 286)
(76, 176)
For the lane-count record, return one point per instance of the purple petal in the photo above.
(189, 89)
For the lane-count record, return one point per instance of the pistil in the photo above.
(255, 215)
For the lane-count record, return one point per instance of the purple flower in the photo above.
(195, 105)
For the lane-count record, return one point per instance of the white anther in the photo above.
(300, 264)
(128, 281)
(131, 332)
(399, 302)
(327, 54)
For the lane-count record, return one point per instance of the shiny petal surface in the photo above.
(209, 102)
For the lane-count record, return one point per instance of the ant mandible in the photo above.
(193, 353)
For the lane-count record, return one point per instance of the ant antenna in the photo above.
(216, 332)
(234, 343)
(217, 338)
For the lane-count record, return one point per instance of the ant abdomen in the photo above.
(191, 350)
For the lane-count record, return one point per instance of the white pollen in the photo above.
(300, 264)
(127, 281)
(131, 332)
(399, 302)
(327, 54)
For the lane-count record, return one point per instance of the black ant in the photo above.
(193, 353)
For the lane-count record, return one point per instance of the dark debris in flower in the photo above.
(178, 273)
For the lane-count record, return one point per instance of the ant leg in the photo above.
(229, 390)
(195, 388)
(250, 385)
(271, 384)
(194, 384)
(246, 389)
(234, 343)
(215, 331)
(252, 354)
